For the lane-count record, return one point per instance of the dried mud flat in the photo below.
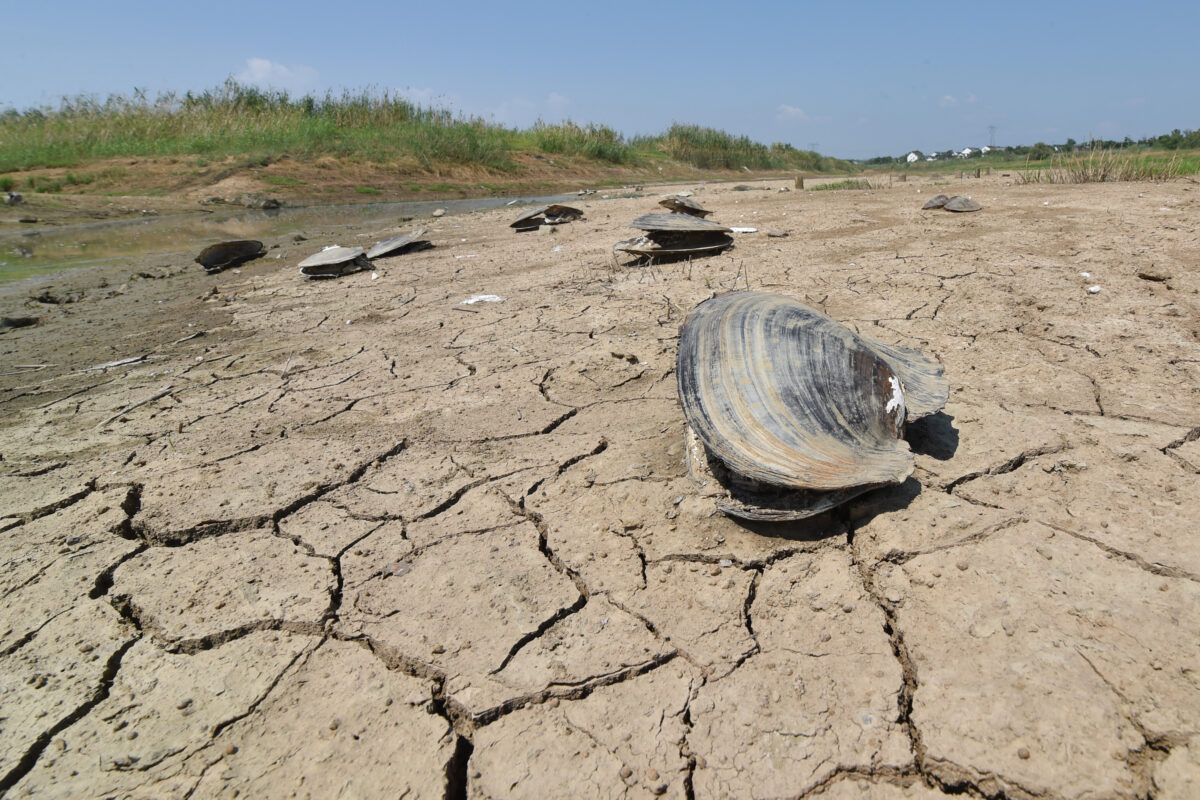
(367, 541)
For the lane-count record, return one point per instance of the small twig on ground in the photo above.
(22, 369)
(127, 409)
(119, 363)
(465, 308)
(189, 336)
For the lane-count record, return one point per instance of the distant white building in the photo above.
(915, 155)
(987, 149)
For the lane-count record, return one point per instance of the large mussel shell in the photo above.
(794, 412)
(676, 222)
(684, 205)
(223, 255)
(960, 203)
(333, 262)
(397, 245)
(553, 214)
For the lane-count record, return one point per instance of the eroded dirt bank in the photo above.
(363, 540)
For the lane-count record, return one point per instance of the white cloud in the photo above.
(518, 111)
(429, 97)
(948, 101)
(784, 111)
(266, 73)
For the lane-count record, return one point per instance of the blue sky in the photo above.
(855, 79)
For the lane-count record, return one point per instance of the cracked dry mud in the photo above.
(367, 541)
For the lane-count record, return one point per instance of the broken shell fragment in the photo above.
(790, 413)
(959, 203)
(684, 205)
(553, 214)
(223, 255)
(398, 245)
(333, 262)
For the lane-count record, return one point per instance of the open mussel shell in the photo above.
(397, 245)
(553, 214)
(935, 202)
(959, 203)
(795, 413)
(333, 262)
(676, 222)
(684, 205)
(664, 246)
(223, 255)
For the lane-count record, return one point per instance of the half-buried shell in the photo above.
(935, 202)
(398, 245)
(791, 413)
(333, 262)
(223, 255)
(960, 203)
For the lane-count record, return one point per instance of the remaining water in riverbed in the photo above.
(27, 250)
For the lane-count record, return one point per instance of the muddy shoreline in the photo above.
(267, 535)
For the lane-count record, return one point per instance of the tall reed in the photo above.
(1101, 165)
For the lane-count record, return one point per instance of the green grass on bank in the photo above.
(1111, 165)
(367, 126)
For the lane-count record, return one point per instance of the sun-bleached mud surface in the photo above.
(355, 539)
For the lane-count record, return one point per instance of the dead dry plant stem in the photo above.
(139, 404)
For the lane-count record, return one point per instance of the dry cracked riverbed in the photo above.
(355, 539)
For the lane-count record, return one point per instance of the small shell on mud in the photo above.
(935, 202)
(222, 255)
(959, 203)
(684, 205)
(790, 413)
(397, 245)
(333, 262)
(553, 214)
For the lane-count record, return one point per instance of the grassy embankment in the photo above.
(365, 143)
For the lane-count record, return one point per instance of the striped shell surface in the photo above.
(332, 255)
(785, 399)
(676, 222)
